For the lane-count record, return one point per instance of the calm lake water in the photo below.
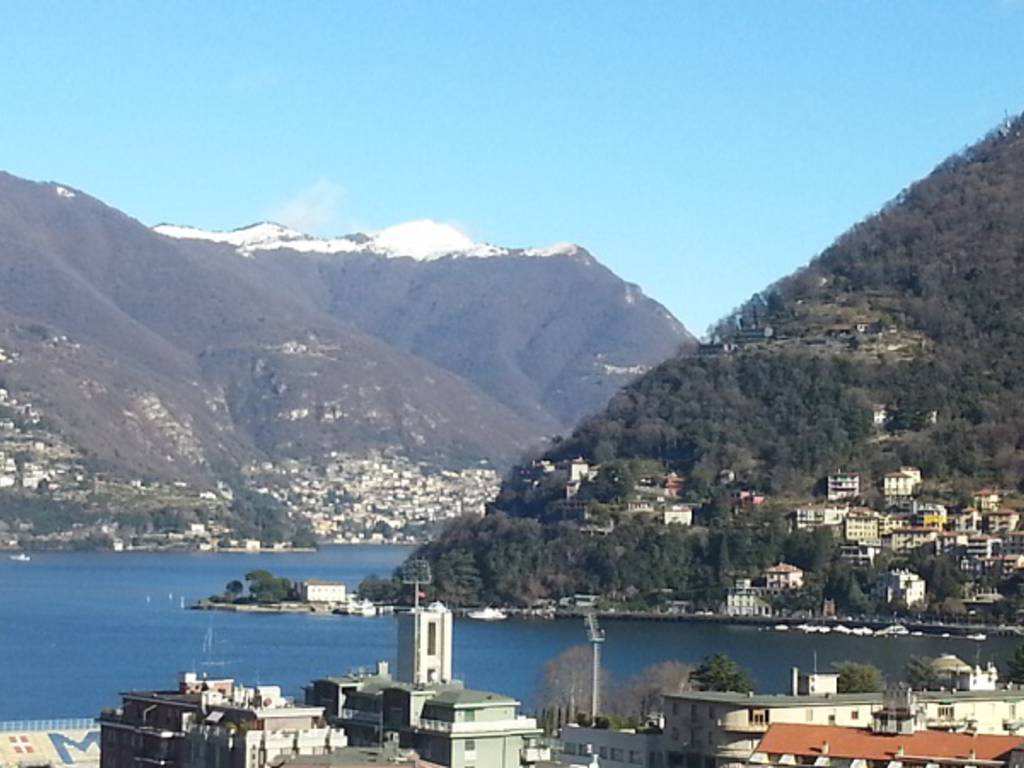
(75, 629)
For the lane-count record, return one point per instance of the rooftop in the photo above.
(851, 743)
(466, 697)
(787, 700)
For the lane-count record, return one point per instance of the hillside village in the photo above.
(880, 530)
(52, 497)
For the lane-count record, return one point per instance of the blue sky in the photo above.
(701, 150)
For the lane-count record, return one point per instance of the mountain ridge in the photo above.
(169, 357)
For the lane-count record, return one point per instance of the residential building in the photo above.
(797, 744)
(903, 586)
(821, 515)
(861, 527)
(904, 540)
(677, 514)
(627, 748)
(1013, 543)
(928, 515)
(1000, 521)
(986, 500)
(320, 591)
(966, 520)
(744, 599)
(813, 683)
(705, 729)
(957, 675)
(859, 555)
(210, 723)
(843, 485)
(879, 415)
(783, 577)
(902, 484)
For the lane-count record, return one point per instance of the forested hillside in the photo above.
(900, 345)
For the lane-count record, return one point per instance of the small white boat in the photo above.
(894, 630)
(978, 636)
(862, 631)
(362, 608)
(488, 614)
(842, 629)
(781, 627)
(21, 557)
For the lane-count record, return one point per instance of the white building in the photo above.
(784, 577)
(319, 591)
(843, 485)
(677, 514)
(903, 586)
(744, 599)
(626, 748)
(425, 645)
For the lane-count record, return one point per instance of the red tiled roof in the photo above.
(852, 743)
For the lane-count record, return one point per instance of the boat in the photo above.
(488, 614)
(894, 630)
(978, 636)
(21, 557)
(842, 629)
(781, 627)
(360, 608)
(862, 631)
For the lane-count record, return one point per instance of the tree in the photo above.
(567, 679)
(641, 695)
(920, 674)
(1015, 666)
(720, 673)
(234, 589)
(267, 588)
(858, 678)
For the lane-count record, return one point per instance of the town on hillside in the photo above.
(891, 546)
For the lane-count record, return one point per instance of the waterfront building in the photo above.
(784, 577)
(320, 591)
(626, 748)
(903, 586)
(744, 599)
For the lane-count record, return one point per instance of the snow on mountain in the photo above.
(423, 240)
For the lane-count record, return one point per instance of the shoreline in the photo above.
(933, 629)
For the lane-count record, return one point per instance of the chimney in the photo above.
(900, 751)
(824, 747)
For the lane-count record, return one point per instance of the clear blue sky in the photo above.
(699, 149)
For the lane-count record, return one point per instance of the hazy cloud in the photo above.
(317, 210)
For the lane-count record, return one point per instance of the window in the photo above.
(602, 751)
(855, 714)
(757, 716)
(945, 711)
(469, 716)
(616, 754)
(569, 748)
(432, 639)
(832, 719)
(470, 745)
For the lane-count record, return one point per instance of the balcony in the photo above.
(361, 716)
(513, 725)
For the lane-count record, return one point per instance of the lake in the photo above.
(77, 628)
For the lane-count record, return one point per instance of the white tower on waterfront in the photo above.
(425, 645)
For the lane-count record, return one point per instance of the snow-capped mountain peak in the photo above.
(422, 239)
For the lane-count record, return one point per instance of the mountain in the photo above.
(902, 344)
(912, 317)
(180, 354)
